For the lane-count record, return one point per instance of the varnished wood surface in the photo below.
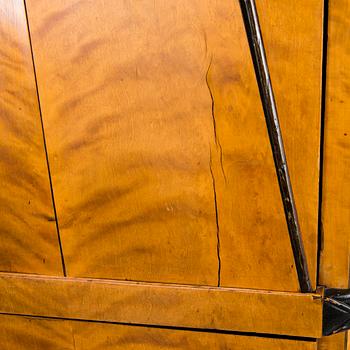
(333, 342)
(161, 165)
(292, 32)
(334, 264)
(128, 118)
(28, 238)
(244, 310)
(23, 333)
(334, 271)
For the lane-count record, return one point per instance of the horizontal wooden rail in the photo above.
(241, 310)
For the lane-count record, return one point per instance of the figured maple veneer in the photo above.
(334, 267)
(293, 32)
(28, 237)
(161, 164)
(335, 252)
(227, 309)
(23, 333)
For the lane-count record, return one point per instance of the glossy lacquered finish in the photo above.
(256, 43)
(334, 262)
(23, 333)
(167, 305)
(158, 149)
(28, 237)
(133, 133)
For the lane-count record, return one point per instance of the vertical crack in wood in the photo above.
(217, 141)
(216, 219)
(218, 146)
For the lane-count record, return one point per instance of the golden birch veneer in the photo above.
(28, 236)
(21, 333)
(158, 149)
(335, 252)
(145, 201)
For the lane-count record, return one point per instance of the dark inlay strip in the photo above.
(323, 111)
(251, 22)
(44, 140)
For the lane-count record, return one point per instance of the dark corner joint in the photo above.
(336, 311)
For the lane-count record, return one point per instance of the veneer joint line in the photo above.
(44, 141)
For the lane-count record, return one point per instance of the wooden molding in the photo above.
(241, 310)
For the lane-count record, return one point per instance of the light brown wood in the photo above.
(17, 333)
(334, 264)
(334, 271)
(292, 32)
(244, 310)
(155, 130)
(129, 130)
(28, 237)
(255, 239)
(333, 342)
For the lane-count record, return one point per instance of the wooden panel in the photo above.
(26, 333)
(294, 55)
(252, 227)
(292, 32)
(334, 264)
(129, 129)
(17, 333)
(28, 238)
(333, 342)
(243, 310)
(334, 270)
(155, 131)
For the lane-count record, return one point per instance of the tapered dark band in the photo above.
(251, 22)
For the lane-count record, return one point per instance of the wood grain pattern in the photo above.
(334, 264)
(292, 33)
(244, 310)
(28, 238)
(129, 129)
(17, 333)
(250, 212)
(333, 342)
(158, 145)
(334, 271)
(258, 238)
